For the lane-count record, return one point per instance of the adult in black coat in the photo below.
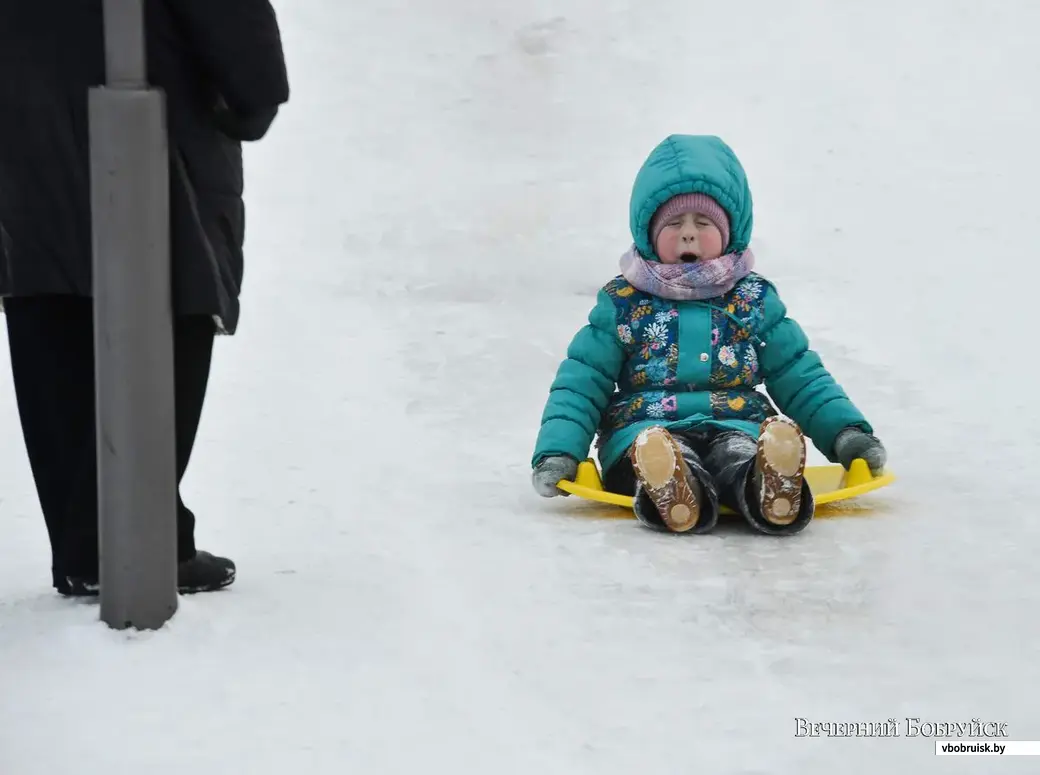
(221, 66)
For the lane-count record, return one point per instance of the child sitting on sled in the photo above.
(685, 334)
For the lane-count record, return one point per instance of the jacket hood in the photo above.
(691, 164)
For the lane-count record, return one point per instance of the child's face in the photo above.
(688, 237)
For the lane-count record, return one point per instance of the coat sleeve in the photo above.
(583, 386)
(239, 45)
(796, 379)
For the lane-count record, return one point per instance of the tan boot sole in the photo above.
(658, 464)
(782, 461)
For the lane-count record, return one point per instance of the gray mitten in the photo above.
(852, 443)
(551, 470)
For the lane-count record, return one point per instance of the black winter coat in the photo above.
(222, 68)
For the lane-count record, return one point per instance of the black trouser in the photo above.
(723, 464)
(52, 360)
(720, 461)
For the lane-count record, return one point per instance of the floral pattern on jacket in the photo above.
(648, 329)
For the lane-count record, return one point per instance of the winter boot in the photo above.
(664, 478)
(204, 572)
(779, 500)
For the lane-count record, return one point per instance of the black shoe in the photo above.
(204, 572)
(79, 586)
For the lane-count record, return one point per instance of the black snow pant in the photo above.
(723, 463)
(52, 360)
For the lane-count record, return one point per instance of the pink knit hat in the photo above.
(690, 203)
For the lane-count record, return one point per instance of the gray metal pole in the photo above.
(133, 333)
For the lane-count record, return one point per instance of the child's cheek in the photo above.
(711, 243)
(667, 249)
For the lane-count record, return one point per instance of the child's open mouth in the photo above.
(688, 258)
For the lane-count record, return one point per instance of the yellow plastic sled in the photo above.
(829, 483)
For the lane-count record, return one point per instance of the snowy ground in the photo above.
(429, 221)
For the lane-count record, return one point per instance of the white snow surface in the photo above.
(429, 220)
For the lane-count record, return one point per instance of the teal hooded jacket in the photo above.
(642, 360)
